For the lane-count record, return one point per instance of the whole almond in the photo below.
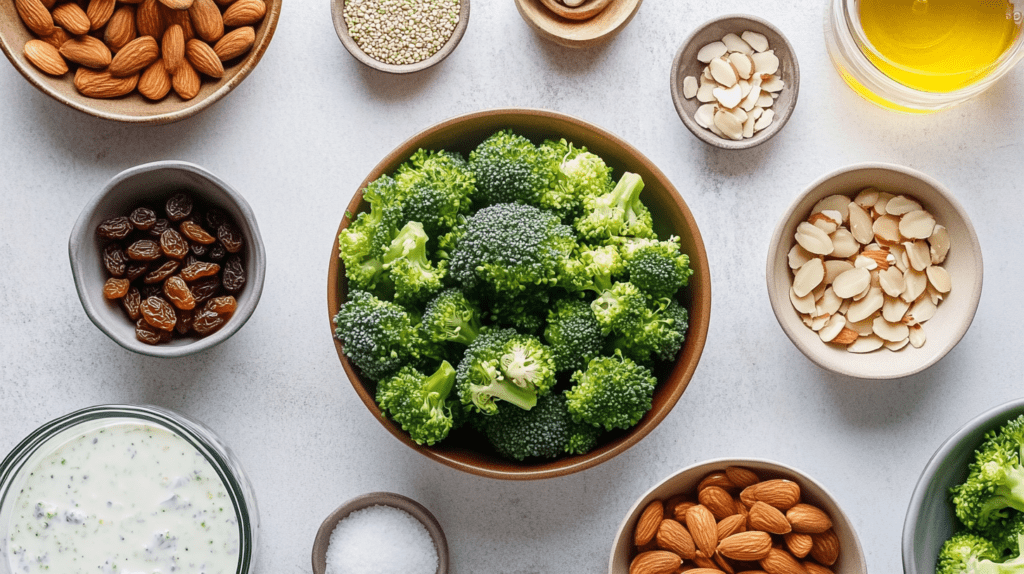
(731, 525)
(180, 18)
(35, 15)
(72, 18)
(767, 518)
(717, 478)
(703, 561)
(655, 562)
(235, 43)
(56, 38)
(155, 81)
(120, 29)
(648, 523)
(718, 501)
(679, 512)
(815, 568)
(741, 477)
(808, 519)
(724, 564)
(95, 84)
(173, 47)
(100, 12)
(799, 544)
(203, 58)
(134, 57)
(701, 524)
(671, 503)
(48, 4)
(149, 20)
(207, 20)
(826, 547)
(781, 494)
(88, 51)
(778, 561)
(674, 537)
(185, 81)
(45, 57)
(177, 4)
(748, 546)
(708, 571)
(244, 13)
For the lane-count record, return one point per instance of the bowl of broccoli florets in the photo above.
(966, 515)
(518, 294)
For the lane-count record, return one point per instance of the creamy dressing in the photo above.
(127, 498)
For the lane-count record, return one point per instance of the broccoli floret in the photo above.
(592, 269)
(1005, 535)
(967, 553)
(504, 365)
(509, 168)
(613, 392)
(657, 267)
(581, 174)
(620, 309)
(435, 188)
(378, 336)
(618, 214)
(573, 333)
(507, 247)
(545, 431)
(995, 480)
(421, 405)
(525, 311)
(362, 244)
(659, 333)
(415, 277)
(450, 317)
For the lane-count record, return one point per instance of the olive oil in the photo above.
(937, 45)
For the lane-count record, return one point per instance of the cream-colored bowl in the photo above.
(954, 314)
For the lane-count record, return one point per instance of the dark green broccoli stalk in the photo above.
(657, 267)
(416, 279)
(510, 169)
(435, 189)
(450, 317)
(660, 332)
(967, 553)
(545, 431)
(620, 309)
(581, 174)
(420, 404)
(503, 365)
(613, 392)
(995, 481)
(378, 336)
(573, 333)
(618, 214)
(592, 269)
(362, 244)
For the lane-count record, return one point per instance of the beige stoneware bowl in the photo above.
(964, 264)
(851, 555)
(572, 33)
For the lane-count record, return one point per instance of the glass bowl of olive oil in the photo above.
(922, 56)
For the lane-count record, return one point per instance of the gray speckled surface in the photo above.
(302, 131)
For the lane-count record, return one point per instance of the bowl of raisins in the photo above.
(167, 259)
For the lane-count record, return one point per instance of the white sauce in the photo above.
(128, 498)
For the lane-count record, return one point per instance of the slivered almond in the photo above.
(813, 239)
(845, 337)
(938, 277)
(900, 205)
(938, 244)
(808, 277)
(880, 257)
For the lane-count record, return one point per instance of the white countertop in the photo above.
(299, 135)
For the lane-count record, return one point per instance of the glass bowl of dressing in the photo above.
(922, 56)
(123, 488)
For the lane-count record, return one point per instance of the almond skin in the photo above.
(718, 501)
(731, 525)
(747, 546)
(35, 15)
(185, 81)
(826, 547)
(701, 524)
(203, 58)
(149, 20)
(180, 18)
(808, 519)
(206, 20)
(814, 568)
(244, 13)
(99, 12)
(779, 561)
(134, 57)
(57, 37)
(767, 518)
(680, 510)
(155, 82)
(72, 18)
(86, 50)
(173, 47)
(95, 84)
(648, 523)
(120, 29)
(674, 537)
(741, 477)
(177, 4)
(655, 562)
(45, 57)
(717, 478)
(235, 43)
(798, 544)
(781, 494)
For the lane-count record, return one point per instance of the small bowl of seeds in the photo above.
(735, 81)
(400, 36)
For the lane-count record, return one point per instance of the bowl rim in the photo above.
(779, 306)
(700, 309)
(986, 418)
(706, 136)
(37, 79)
(380, 498)
(257, 268)
(341, 29)
(546, 24)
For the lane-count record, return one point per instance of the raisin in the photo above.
(136, 269)
(159, 313)
(144, 250)
(230, 237)
(159, 227)
(189, 260)
(221, 305)
(178, 293)
(234, 274)
(179, 206)
(185, 319)
(217, 252)
(115, 228)
(215, 218)
(200, 269)
(160, 273)
(173, 244)
(131, 303)
(115, 288)
(205, 288)
(146, 333)
(152, 290)
(114, 259)
(143, 218)
(193, 231)
(198, 249)
(207, 322)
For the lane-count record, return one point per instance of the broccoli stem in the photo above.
(441, 382)
(483, 396)
(410, 243)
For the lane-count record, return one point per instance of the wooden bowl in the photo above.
(578, 33)
(671, 215)
(686, 64)
(133, 108)
(338, 15)
(417, 510)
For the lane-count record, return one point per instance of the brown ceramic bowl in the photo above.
(573, 33)
(671, 215)
(133, 108)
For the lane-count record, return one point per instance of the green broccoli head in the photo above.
(378, 336)
(995, 482)
(967, 553)
(613, 392)
(616, 215)
(450, 317)
(581, 174)
(620, 308)
(415, 277)
(524, 312)
(573, 333)
(435, 189)
(1005, 535)
(362, 244)
(422, 405)
(502, 365)
(545, 431)
(657, 267)
(660, 333)
(592, 269)
(509, 168)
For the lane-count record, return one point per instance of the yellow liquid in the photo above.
(937, 45)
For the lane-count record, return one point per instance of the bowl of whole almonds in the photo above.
(150, 62)
(737, 515)
(875, 271)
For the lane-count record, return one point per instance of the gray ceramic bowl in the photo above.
(930, 518)
(851, 555)
(686, 64)
(153, 183)
(417, 510)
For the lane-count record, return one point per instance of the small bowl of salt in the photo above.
(380, 533)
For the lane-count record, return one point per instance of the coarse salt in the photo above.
(381, 540)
